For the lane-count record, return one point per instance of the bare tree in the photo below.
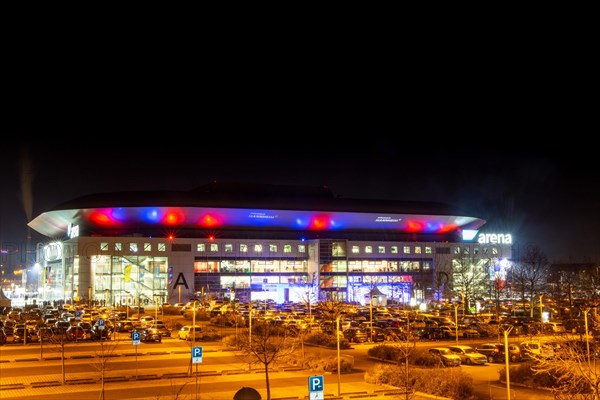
(309, 293)
(572, 368)
(470, 278)
(102, 359)
(530, 275)
(266, 344)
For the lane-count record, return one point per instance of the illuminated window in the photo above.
(355, 249)
(243, 248)
(287, 248)
(406, 249)
(228, 248)
(214, 247)
(456, 250)
(381, 249)
(466, 250)
(418, 250)
(133, 247)
(201, 247)
(118, 246)
(476, 250)
(301, 248)
(258, 248)
(103, 246)
(426, 265)
(162, 247)
(147, 247)
(494, 251)
(394, 249)
(338, 249)
(273, 248)
(428, 250)
(368, 249)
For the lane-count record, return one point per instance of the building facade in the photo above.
(257, 243)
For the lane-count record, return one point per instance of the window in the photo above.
(103, 246)
(426, 265)
(355, 249)
(147, 247)
(228, 248)
(394, 249)
(201, 247)
(368, 249)
(273, 248)
(466, 250)
(406, 249)
(243, 248)
(301, 248)
(287, 248)
(118, 246)
(475, 250)
(418, 250)
(494, 251)
(428, 250)
(258, 248)
(381, 249)
(162, 247)
(133, 247)
(457, 250)
(214, 247)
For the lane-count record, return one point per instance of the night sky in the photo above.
(545, 198)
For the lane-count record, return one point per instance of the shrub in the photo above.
(445, 382)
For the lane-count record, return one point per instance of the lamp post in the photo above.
(506, 361)
(587, 340)
(456, 321)
(250, 337)
(179, 294)
(339, 362)
(106, 298)
(89, 297)
(541, 310)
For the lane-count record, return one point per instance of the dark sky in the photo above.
(546, 198)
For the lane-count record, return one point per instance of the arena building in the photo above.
(256, 242)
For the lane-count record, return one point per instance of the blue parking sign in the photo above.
(135, 338)
(316, 383)
(197, 355)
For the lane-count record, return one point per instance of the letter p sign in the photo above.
(315, 384)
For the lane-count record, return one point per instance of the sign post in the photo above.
(196, 359)
(135, 340)
(316, 387)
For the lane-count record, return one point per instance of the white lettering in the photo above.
(494, 238)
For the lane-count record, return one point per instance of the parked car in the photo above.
(469, 355)
(2, 336)
(537, 349)
(20, 332)
(356, 334)
(150, 335)
(162, 328)
(76, 333)
(188, 331)
(99, 334)
(444, 356)
(495, 352)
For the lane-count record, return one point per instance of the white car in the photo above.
(469, 355)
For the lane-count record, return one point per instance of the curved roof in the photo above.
(247, 206)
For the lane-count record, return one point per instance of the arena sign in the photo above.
(487, 238)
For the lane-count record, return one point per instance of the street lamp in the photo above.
(89, 297)
(506, 361)
(339, 362)
(456, 321)
(587, 339)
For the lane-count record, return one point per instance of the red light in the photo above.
(171, 237)
(211, 237)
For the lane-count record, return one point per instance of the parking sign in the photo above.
(135, 338)
(197, 355)
(316, 387)
(100, 324)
